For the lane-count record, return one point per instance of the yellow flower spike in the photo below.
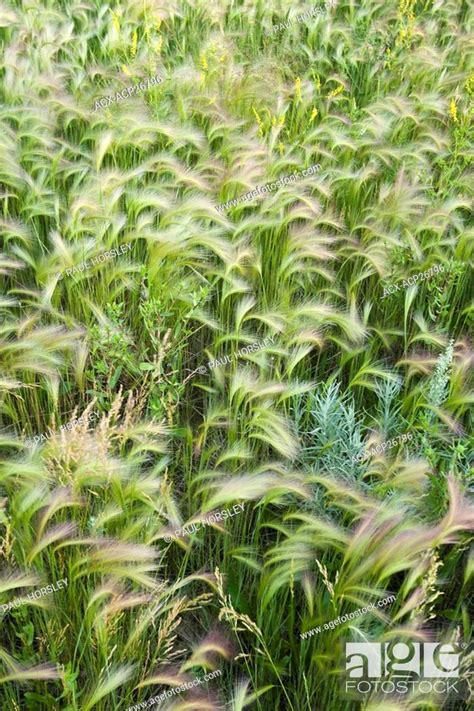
(203, 61)
(133, 48)
(335, 92)
(469, 85)
(159, 45)
(281, 148)
(405, 7)
(126, 70)
(406, 18)
(116, 21)
(281, 120)
(314, 113)
(259, 120)
(402, 34)
(453, 110)
(298, 89)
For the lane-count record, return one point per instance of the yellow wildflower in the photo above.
(126, 70)
(453, 110)
(281, 148)
(405, 7)
(314, 113)
(469, 85)
(133, 48)
(159, 45)
(335, 92)
(298, 89)
(281, 120)
(204, 61)
(406, 18)
(116, 21)
(259, 120)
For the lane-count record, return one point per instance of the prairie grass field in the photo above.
(236, 247)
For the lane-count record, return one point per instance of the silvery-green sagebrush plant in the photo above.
(379, 94)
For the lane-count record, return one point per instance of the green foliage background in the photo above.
(380, 94)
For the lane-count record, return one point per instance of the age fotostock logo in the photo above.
(402, 667)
